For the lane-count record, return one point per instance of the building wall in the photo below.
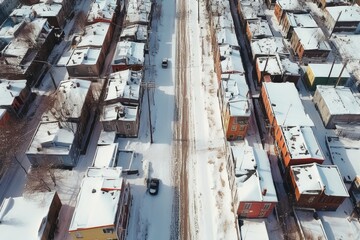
(94, 233)
(123, 212)
(52, 217)
(248, 32)
(123, 128)
(235, 127)
(278, 12)
(255, 209)
(86, 70)
(117, 68)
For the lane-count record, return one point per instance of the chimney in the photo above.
(264, 192)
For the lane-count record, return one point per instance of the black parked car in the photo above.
(154, 186)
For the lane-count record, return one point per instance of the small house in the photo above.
(343, 18)
(85, 62)
(294, 20)
(269, 69)
(284, 6)
(258, 29)
(128, 55)
(318, 186)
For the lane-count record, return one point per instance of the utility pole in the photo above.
(342, 70)
(328, 78)
(337, 19)
(149, 85)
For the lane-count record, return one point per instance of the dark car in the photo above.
(154, 186)
(165, 63)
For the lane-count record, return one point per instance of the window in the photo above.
(242, 128)
(90, 70)
(128, 126)
(233, 127)
(247, 206)
(108, 230)
(266, 206)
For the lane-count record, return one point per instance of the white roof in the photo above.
(223, 21)
(301, 20)
(129, 53)
(345, 154)
(52, 139)
(22, 11)
(106, 138)
(138, 31)
(102, 9)
(268, 46)
(235, 93)
(339, 100)
(85, 56)
(348, 13)
(253, 175)
(289, 5)
(309, 225)
(220, 7)
(323, 70)
(259, 29)
(98, 200)
(47, 10)
(232, 61)
(22, 217)
(252, 9)
(226, 36)
(95, 35)
(312, 38)
(70, 98)
(9, 89)
(273, 65)
(289, 67)
(119, 112)
(254, 229)
(124, 84)
(301, 143)
(286, 104)
(314, 178)
(105, 155)
(138, 11)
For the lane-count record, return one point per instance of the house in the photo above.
(298, 145)
(102, 11)
(255, 195)
(225, 30)
(53, 12)
(230, 59)
(309, 43)
(269, 69)
(294, 20)
(343, 18)
(73, 102)
(325, 74)
(54, 143)
(26, 49)
(128, 55)
(85, 62)
(134, 33)
(138, 12)
(124, 120)
(31, 217)
(253, 229)
(250, 10)
(103, 192)
(124, 87)
(15, 96)
(318, 186)
(344, 153)
(6, 7)
(106, 138)
(310, 226)
(326, 3)
(106, 155)
(283, 6)
(291, 71)
(337, 105)
(258, 29)
(268, 47)
(235, 105)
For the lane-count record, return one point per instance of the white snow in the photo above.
(309, 225)
(312, 38)
(105, 155)
(102, 9)
(259, 29)
(301, 20)
(117, 111)
(129, 53)
(232, 62)
(137, 31)
(252, 9)
(323, 70)
(348, 13)
(94, 35)
(272, 63)
(254, 229)
(86, 56)
(268, 46)
(289, 5)
(9, 90)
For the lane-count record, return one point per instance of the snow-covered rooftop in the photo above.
(70, 98)
(138, 11)
(95, 35)
(304, 20)
(106, 138)
(226, 36)
(223, 21)
(9, 90)
(124, 84)
(345, 154)
(348, 13)
(219, 7)
(312, 38)
(252, 9)
(272, 63)
(231, 60)
(309, 225)
(289, 5)
(253, 229)
(253, 175)
(102, 9)
(323, 70)
(47, 10)
(340, 100)
(52, 138)
(235, 93)
(118, 111)
(259, 29)
(301, 143)
(137, 31)
(289, 67)
(25, 217)
(85, 56)
(105, 155)
(269, 46)
(314, 179)
(286, 104)
(98, 200)
(129, 53)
